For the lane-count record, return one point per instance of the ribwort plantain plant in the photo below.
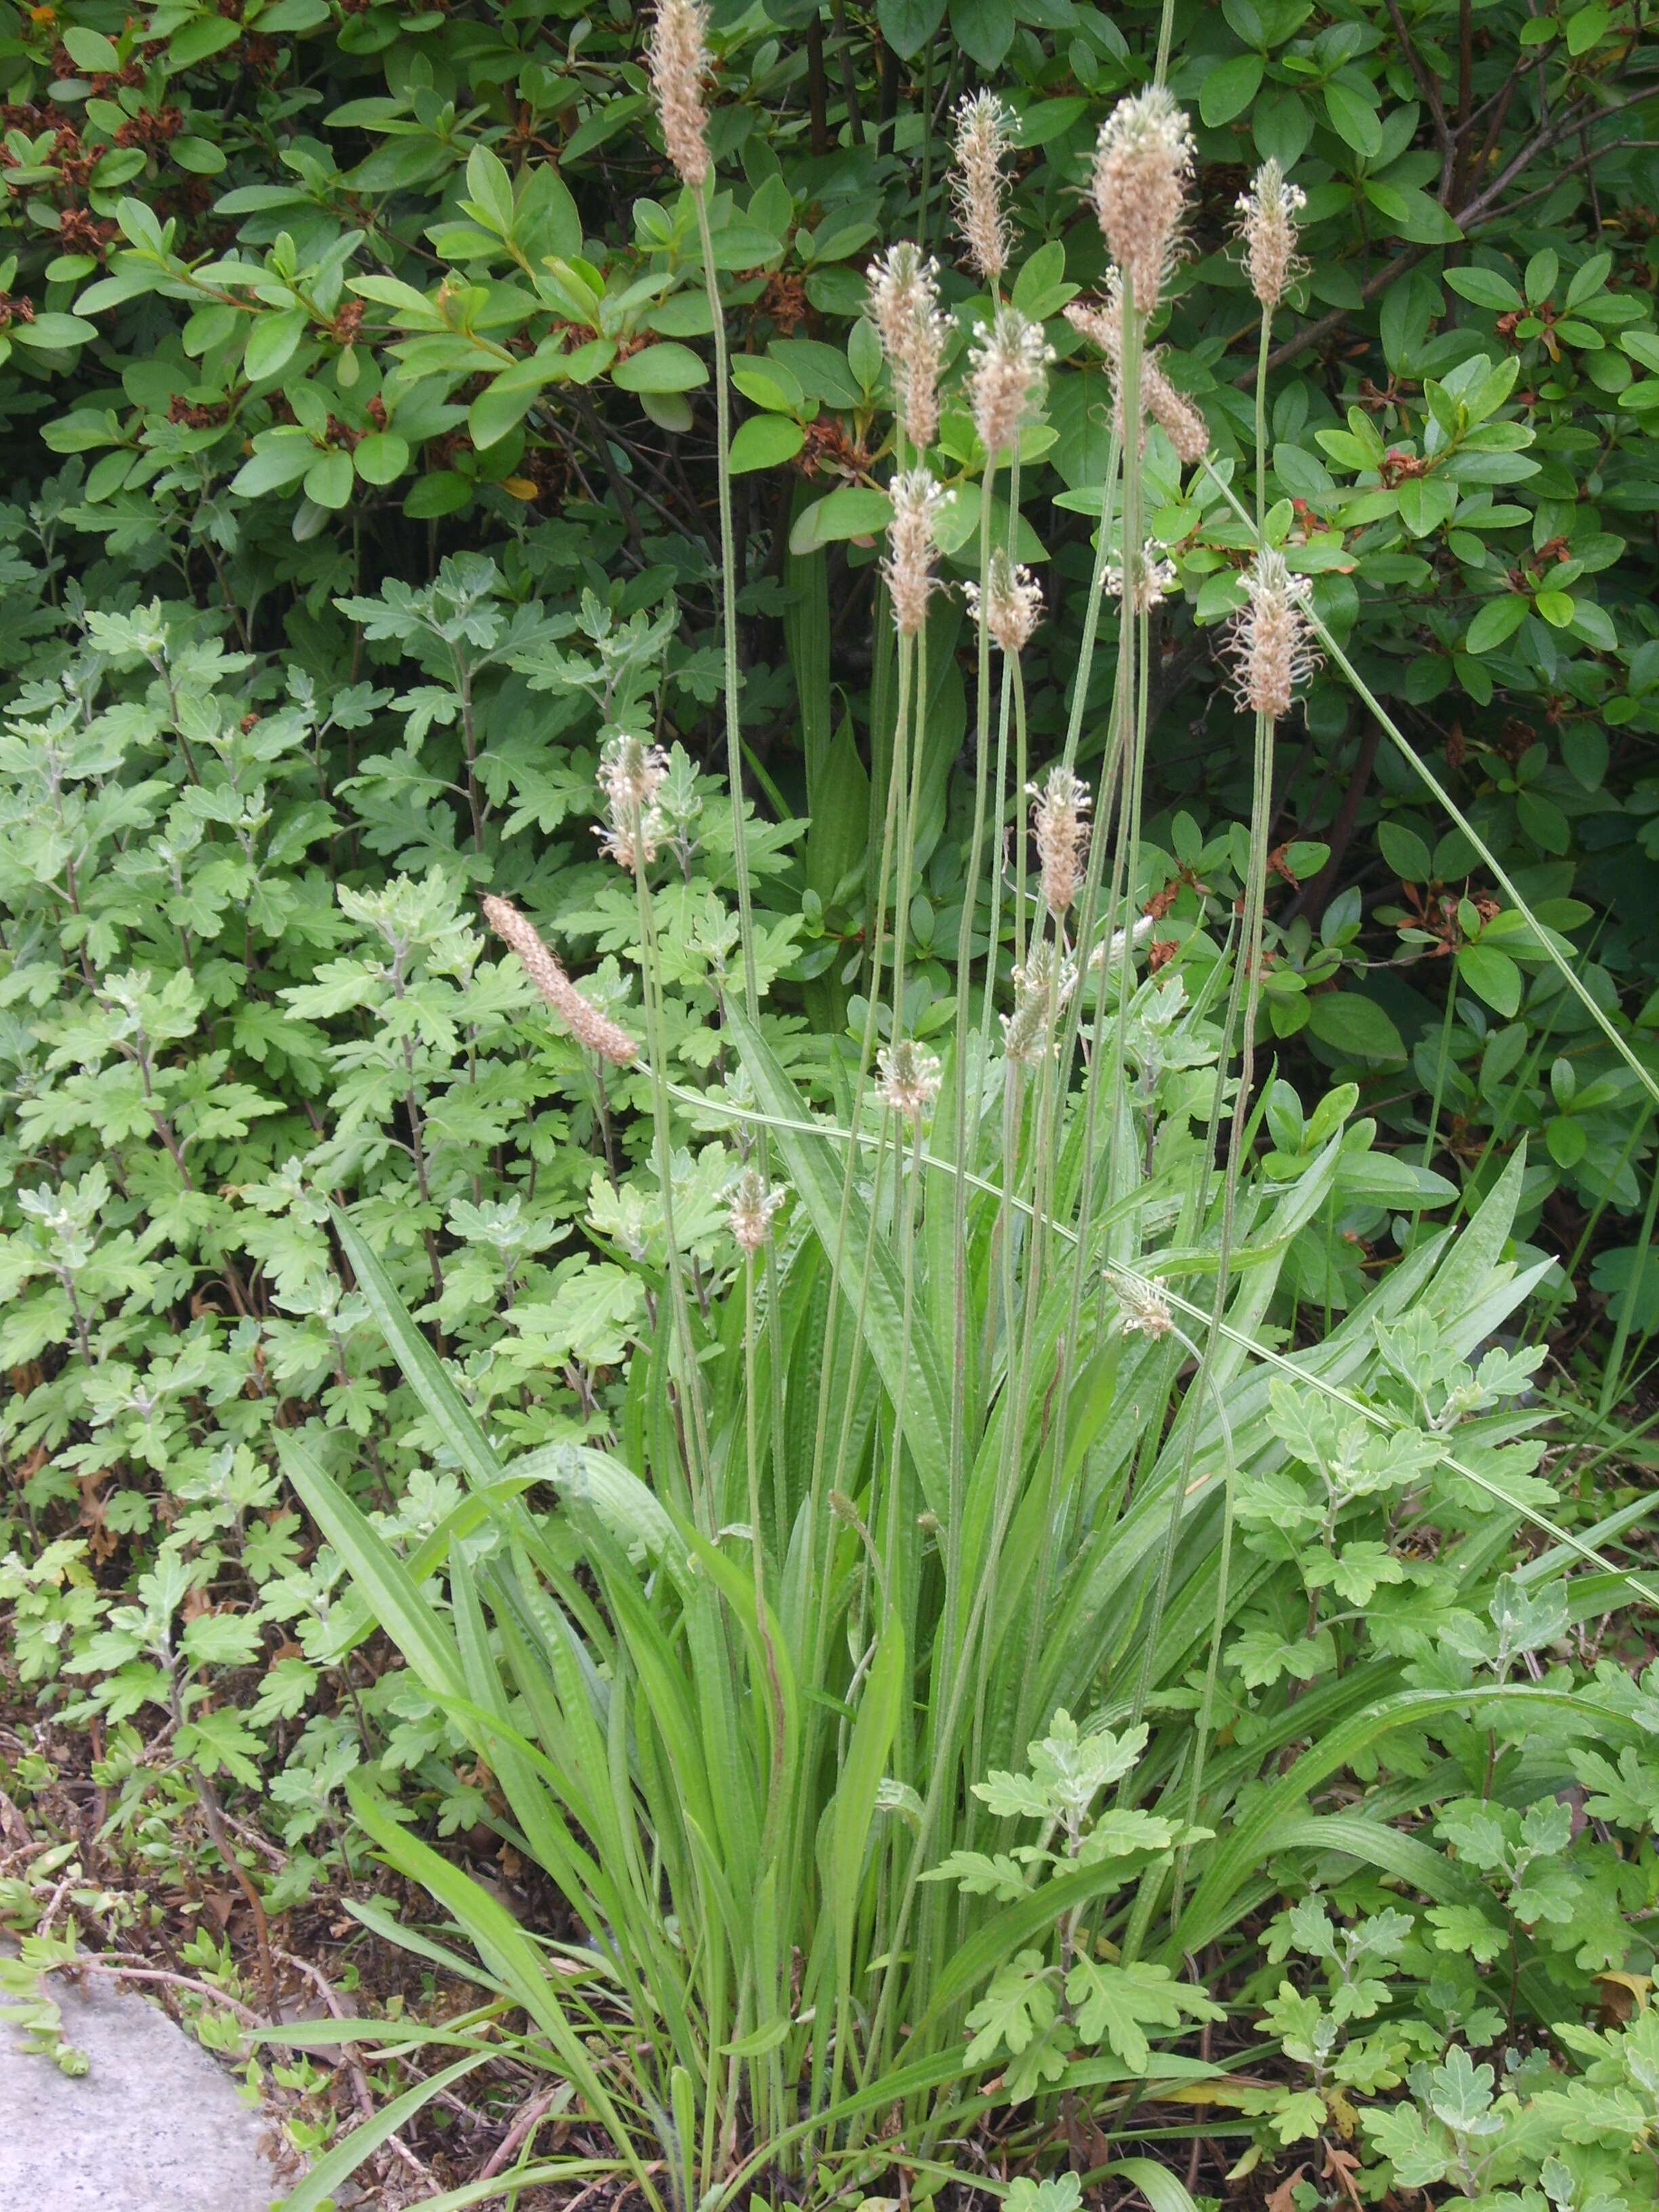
(919, 1522)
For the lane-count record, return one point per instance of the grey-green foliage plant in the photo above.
(982, 1431)
(243, 977)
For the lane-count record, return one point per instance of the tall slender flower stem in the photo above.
(693, 1414)
(1255, 901)
(999, 807)
(1131, 673)
(961, 1135)
(729, 603)
(1099, 1081)
(896, 780)
(1085, 660)
(1261, 421)
(1022, 776)
(914, 649)
(1166, 26)
(826, 1476)
(1506, 883)
(1244, 990)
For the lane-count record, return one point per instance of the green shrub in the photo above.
(298, 283)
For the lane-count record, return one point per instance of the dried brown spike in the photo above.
(580, 1016)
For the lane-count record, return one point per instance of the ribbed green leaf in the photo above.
(854, 1803)
(506, 1950)
(815, 1170)
(422, 1369)
(1254, 1836)
(392, 1592)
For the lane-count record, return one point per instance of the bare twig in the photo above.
(1431, 92)
(1467, 218)
(112, 1965)
(520, 2131)
(1543, 192)
(848, 79)
(1465, 90)
(325, 1988)
(1316, 896)
(1499, 107)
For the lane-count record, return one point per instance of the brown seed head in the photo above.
(579, 1016)
(1268, 231)
(1005, 377)
(679, 64)
(904, 307)
(635, 846)
(1271, 646)
(1060, 823)
(984, 134)
(1102, 321)
(918, 503)
(1143, 172)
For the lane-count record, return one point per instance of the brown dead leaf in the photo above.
(102, 1541)
(1623, 1996)
(1340, 2166)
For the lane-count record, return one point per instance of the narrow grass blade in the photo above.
(505, 1948)
(422, 1367)
(880, 1296)
(399, 1605)
(338, 2165)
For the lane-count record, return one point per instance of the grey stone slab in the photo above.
(154, 2126)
